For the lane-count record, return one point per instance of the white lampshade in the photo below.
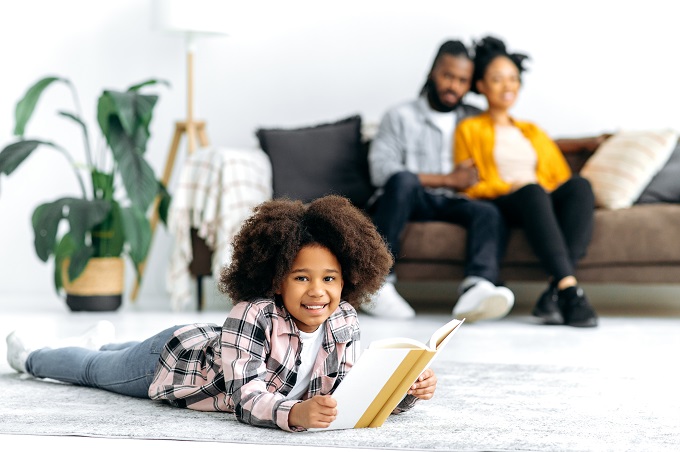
(191, 17)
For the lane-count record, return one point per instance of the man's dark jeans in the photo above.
(405, 200)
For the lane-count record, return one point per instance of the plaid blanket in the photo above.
(217, 190)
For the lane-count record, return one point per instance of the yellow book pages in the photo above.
(388, 390)
(401, 381)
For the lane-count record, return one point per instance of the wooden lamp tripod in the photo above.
(192, 18)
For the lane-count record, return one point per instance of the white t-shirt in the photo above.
(515, 156)
(311, 345)
(446, 122)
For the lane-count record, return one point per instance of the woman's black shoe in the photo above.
(547, 309)
(575, 308)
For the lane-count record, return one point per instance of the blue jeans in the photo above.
(126, 368)
(405, 200)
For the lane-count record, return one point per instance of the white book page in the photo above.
(362, 384)
(398, 342)
(444, 332)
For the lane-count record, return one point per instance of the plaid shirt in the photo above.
(250, 364)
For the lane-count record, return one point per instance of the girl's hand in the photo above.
(425, 386)
(317, 412)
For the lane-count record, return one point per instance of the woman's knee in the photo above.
(581, 185)
(579, 188)
(532, 194)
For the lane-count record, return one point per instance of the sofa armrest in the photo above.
(578, 150)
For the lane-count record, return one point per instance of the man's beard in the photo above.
(433, 98)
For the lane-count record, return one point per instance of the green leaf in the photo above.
(102, 183)
(144, 109)
(82, 215)
(65, 249)
(138, 177)
(108, 237)
(164, 203)
(124, 108)
(133, 110)
(75, 118)
(149, 82)
(26, 106)
(79, 260)
(105, 109)
(46, 218)
(14, 155)
(137, 233)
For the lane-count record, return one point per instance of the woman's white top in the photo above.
(515, 156)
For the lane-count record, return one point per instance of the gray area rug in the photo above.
(494, 407)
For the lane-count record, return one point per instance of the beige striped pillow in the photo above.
(624, 165)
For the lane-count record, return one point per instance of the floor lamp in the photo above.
(192, 19)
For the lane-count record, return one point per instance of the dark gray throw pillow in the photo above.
(310, 162)
(665, 186)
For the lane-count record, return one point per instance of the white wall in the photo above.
(596, 66)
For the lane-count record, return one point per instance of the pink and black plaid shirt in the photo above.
(249, 365)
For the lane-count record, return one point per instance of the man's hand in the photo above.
(425, 386)
(317, 412)
(463, 176)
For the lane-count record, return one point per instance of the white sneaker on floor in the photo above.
(103, 332)
(484, 301)
(17, 352)
(388, 303)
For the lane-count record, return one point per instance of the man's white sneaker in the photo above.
(484, 301)
(388, 303)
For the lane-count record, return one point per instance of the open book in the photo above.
(382, 376)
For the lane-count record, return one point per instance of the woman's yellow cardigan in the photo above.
(475, 139)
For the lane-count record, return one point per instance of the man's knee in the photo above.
(403, 183)
(485, 211)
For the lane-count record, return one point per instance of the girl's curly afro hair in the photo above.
(269, 241)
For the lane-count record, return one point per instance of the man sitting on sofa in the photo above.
(410, 161)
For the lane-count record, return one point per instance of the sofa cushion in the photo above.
(310, 162)
(635, 236)
(665, 186)
(625, 164)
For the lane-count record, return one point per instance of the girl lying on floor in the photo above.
(298, 272)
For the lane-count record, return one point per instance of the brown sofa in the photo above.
(640, 244)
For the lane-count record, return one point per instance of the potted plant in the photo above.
(108, 219)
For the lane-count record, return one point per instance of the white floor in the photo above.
(622, 342)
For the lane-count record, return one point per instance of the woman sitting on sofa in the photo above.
(522, 171)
